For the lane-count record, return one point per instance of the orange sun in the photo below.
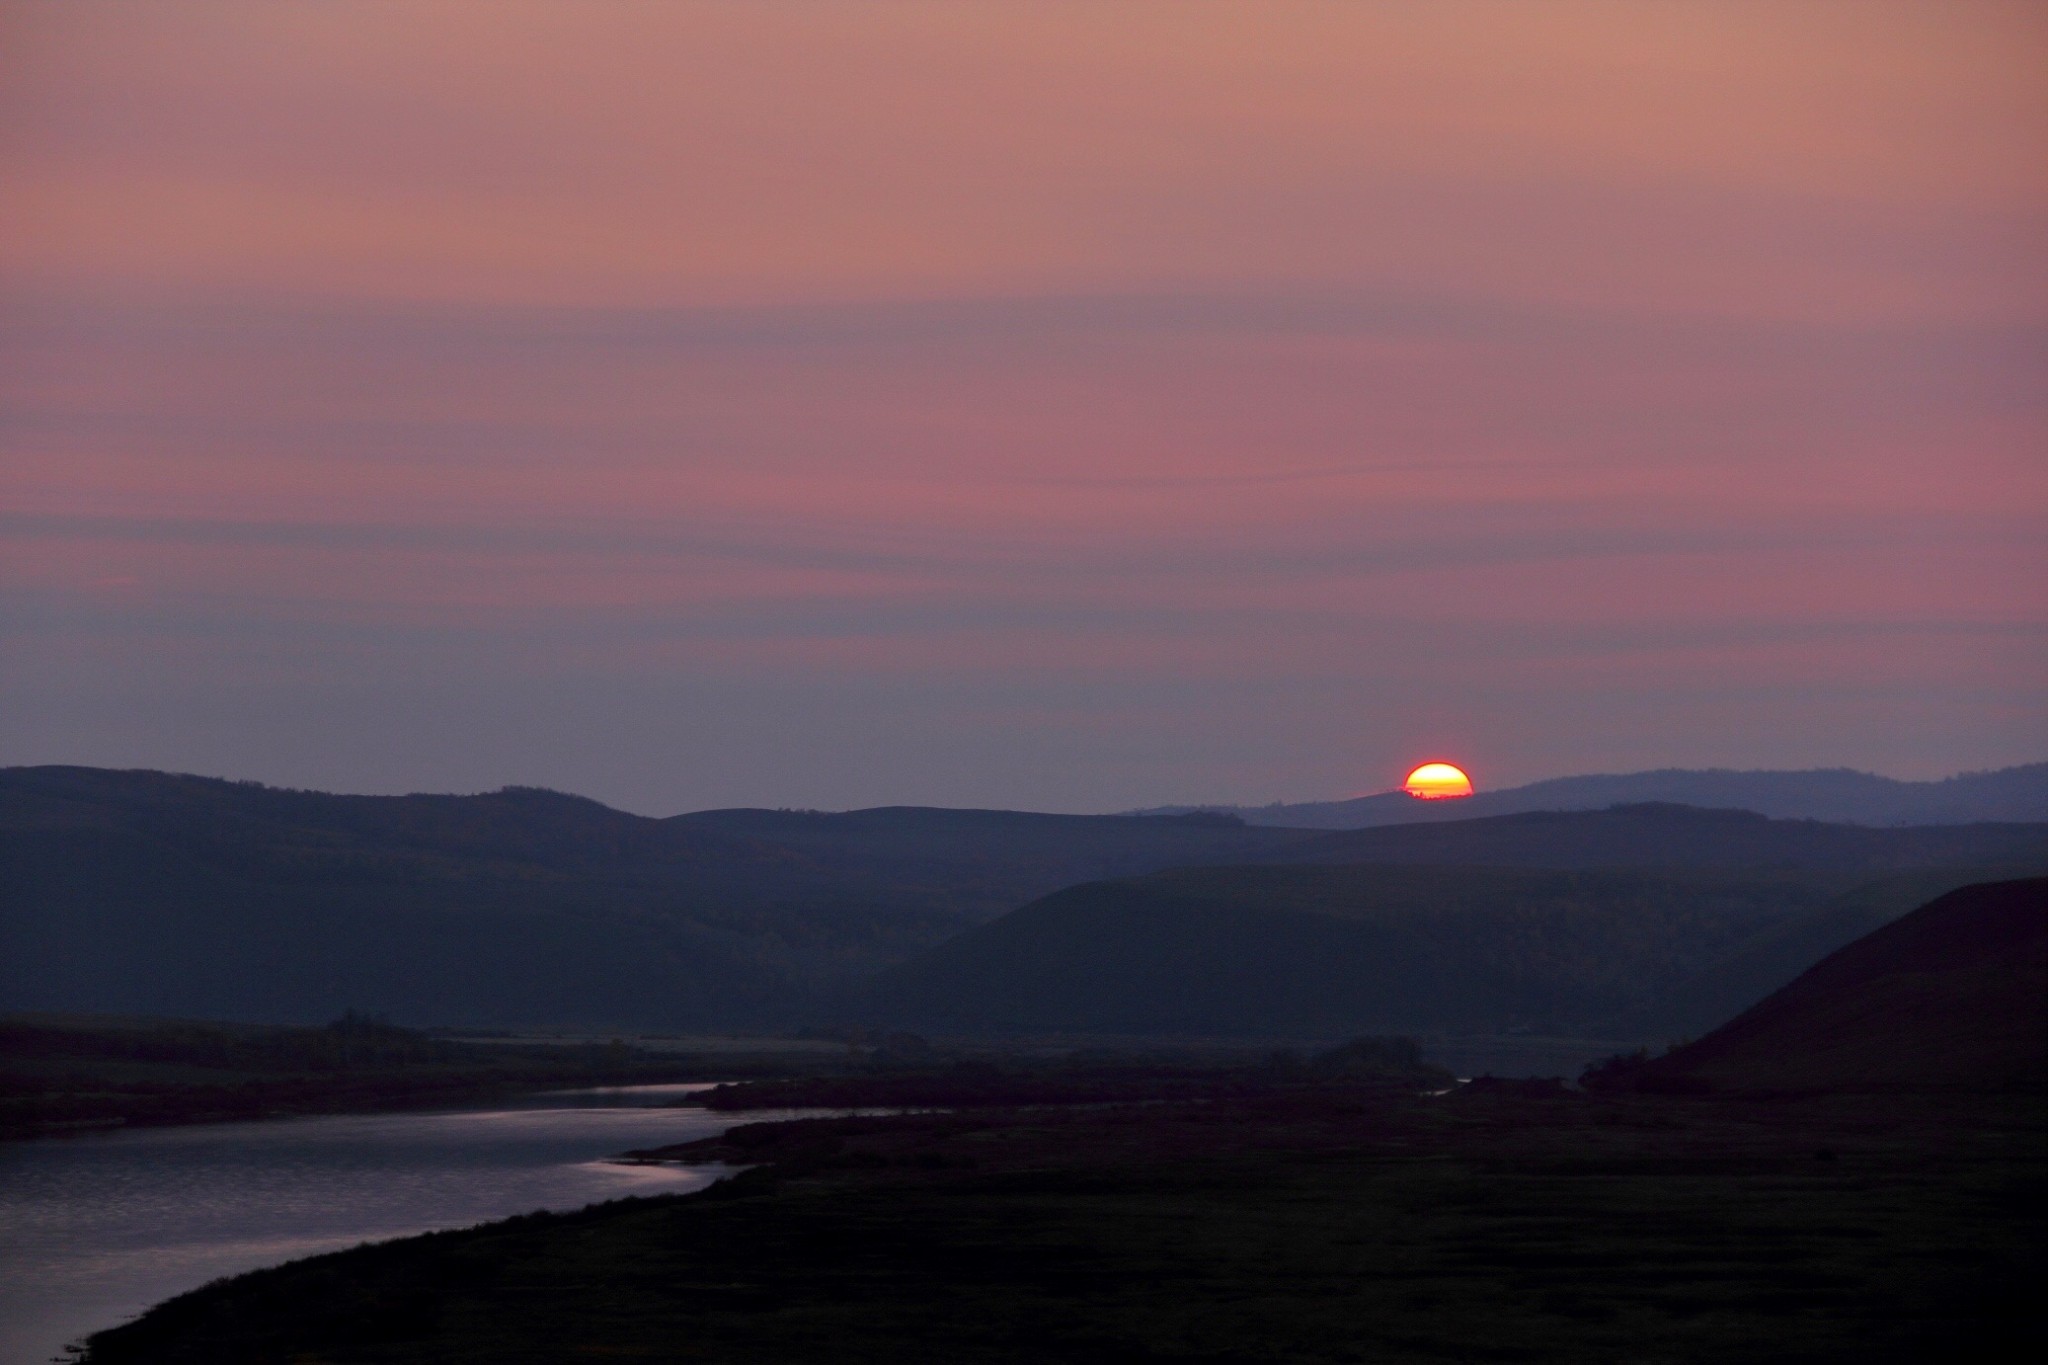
(1437, 781)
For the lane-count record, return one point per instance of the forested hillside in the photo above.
(1326, 951)
(155, 893)
(151, 893)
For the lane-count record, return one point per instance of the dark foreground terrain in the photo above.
(1317, 1226)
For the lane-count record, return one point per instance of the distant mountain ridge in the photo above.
(154, 893)
(1842, 795)
(160, 893)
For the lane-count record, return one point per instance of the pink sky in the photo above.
(1071, 406)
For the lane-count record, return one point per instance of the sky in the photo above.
(1072, 406)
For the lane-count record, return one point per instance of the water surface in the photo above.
(95, 1229)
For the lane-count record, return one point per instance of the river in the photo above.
(95, 1229)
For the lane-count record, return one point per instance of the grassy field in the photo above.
(1326, 1223)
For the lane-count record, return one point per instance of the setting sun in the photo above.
(1437, 781)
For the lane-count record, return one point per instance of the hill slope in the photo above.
(1837, 794)
(1954, 994)
(1332, 950)
(154, 893)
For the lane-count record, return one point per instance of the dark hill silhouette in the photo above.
(1834, 794)
(159, 893)
(979, 862)
(1308, 951)
(1954, 994)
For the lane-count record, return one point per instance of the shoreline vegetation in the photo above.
(65, 1074)
(71, 1074)
(906, 1072)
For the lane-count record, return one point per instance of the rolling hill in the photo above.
(1335, 950)
(1953, 995)
(154, 893)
